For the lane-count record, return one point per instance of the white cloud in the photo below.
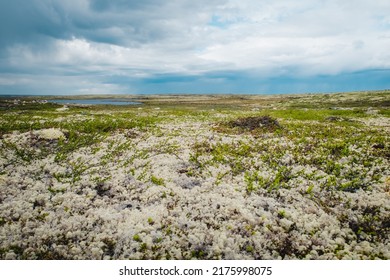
(158, 37)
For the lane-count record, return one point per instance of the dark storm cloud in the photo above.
(120, 5)
(34, 21)
(119, 22)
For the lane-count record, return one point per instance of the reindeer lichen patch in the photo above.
(50, 134)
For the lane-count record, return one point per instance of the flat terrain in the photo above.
(197, 177)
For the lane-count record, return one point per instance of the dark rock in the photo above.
(252, 123)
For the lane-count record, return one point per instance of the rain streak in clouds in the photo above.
(213, 46)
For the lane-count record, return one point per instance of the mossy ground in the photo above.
(194, 177)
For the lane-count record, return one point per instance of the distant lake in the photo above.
(94, 102)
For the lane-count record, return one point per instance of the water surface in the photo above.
(94, 102)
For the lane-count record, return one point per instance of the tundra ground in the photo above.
(197, 177)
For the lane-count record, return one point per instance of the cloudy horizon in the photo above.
(215, 46)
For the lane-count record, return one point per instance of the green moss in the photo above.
(198, 254)
(143, 247)
(18, 250)
(310, 190)
(42, 217)
(281, 214)
(158, 240)
(157, 181)
(249, 249)
(137, 238)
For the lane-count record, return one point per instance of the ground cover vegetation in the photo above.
(197, 177)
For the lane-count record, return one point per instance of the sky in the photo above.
(185, 46)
